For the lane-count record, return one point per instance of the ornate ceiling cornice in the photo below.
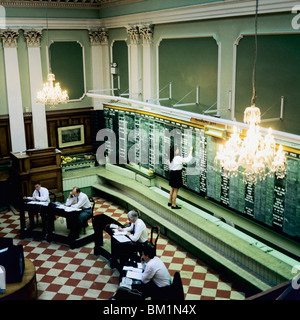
(73, 4)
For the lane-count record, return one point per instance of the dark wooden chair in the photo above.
(52, 196)
(84, 224)
(153, 240)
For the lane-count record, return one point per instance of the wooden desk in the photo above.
(118, 250)
(25, 290)
(49, 213)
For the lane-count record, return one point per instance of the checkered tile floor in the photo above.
(65, 274)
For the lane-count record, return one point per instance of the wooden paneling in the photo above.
(42, 165)
(5, 141)
(55, 119)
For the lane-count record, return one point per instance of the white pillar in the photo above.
(13, 85)
(134, 63)
(146, 32)
(39, 121)
(100, 63)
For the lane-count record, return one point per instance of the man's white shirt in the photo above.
(41, 195)
(81, 202)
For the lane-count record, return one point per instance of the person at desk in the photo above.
(80, 200)
(39, 194)
(175, 165)
(137, 231)
(156, 278)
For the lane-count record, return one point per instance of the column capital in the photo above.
(146, 31)
(33, 38)
(98, 36)
(134, 34)
(9, 38)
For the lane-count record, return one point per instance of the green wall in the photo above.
(188, 63)
(278, 65)
(67, 65)
(69, 35)
(120, 56)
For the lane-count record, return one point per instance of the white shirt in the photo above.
(156, 271)
(81, 202)
(43, 195)
(140, 231)
(177, 162)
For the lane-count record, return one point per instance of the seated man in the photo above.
(156, 279)
(80, 200)
(137, 233)
(39, 194)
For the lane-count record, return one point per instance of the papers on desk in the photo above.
(121, 238)
(41, 203)
(126, 283)
(119, 233)
(67, 209)
(134, 274)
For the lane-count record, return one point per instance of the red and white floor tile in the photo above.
(65, 274)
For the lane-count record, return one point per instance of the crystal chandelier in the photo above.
(255, 157)
(51, 94)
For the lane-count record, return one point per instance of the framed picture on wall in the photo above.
(70, 136)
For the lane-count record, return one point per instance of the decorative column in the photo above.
(13, 85)
(100, 63)
(146, 32)
(134, 63)
(33, 39)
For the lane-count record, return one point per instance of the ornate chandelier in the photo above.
(51, 94)
(255, 157)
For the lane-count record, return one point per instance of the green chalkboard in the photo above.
(145, 139)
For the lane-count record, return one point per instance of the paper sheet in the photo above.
(134, 275)
(122, 238)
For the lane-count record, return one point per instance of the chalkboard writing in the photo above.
(278, 207)
(224, 190)
(249, 199)
(145, 139)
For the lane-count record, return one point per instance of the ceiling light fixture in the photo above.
(255, 157)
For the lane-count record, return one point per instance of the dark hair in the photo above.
(36, 182)
(148, 251)
(172, 152)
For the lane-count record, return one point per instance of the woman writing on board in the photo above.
(175, 165)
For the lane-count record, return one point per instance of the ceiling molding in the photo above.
(216, 10)
(68, 4)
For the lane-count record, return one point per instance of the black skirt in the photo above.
(175, 179)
